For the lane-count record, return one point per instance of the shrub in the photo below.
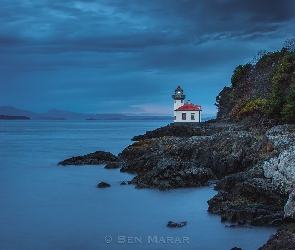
(254, 105)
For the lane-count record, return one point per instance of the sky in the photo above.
(128, 56)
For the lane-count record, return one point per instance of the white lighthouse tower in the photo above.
(178, 98)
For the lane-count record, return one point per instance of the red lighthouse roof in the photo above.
(178, 89)
(189, 107)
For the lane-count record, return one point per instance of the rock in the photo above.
(124, 183)
(112, 165)
(173, 162)
(244, 211)
(281, 170)
(169, 174)
(279, 138)
(236, 248)
(96, 158)
(247, 197)
(259, 194)
(103, 185)
(176, 224)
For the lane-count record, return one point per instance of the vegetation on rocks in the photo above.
(262, 93)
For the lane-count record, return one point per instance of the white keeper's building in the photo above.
(185, 112)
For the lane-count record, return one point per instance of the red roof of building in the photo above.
(189, 107)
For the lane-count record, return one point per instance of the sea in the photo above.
(47, 206)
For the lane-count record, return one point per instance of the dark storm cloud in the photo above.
(129, 48)
(132, 25)
(140, 24)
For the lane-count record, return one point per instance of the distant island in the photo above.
(13, 117)
(68, 115)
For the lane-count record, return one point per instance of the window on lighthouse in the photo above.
(192, 116)
(183, 116)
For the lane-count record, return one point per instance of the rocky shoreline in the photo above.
(96, 158)
(255, 170)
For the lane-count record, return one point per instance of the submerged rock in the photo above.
(176, 224)
(103, 185)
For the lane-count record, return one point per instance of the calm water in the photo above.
(45, 206)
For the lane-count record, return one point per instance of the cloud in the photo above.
(133, 26)
(132, 52)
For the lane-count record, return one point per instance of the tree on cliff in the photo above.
(281, 98)
(223, 104)
(262, 92)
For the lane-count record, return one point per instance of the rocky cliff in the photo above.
(255, 172)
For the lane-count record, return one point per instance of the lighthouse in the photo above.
(185, 112)
(178, 98)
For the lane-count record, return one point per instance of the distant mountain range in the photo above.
(10, 111)
(67, 115)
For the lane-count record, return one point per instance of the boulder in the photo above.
(103, 185)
